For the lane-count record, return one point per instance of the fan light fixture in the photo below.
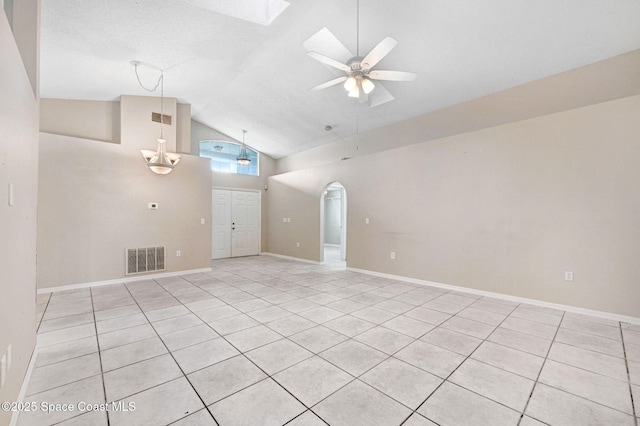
(159, 161)
(358, 81)
(243, 159)
(354, 85)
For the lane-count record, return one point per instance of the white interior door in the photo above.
(236, 223)
(221, 224)
(245, 223)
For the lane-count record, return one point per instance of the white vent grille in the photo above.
(141, 260)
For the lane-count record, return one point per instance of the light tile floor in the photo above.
(267, 341)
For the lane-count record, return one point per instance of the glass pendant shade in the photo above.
(367, 85)
(243, 158)
(350, 84)
(160, 162)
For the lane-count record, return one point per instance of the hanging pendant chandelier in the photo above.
(243, 158)
(159, 161)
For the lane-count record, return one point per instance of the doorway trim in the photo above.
(343, 231)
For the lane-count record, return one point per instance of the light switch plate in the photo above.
(3, 370)
(10, 193)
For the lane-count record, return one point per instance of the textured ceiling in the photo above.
(238, 73)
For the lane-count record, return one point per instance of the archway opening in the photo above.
(333, 213)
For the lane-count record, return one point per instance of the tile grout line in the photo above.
(95, 325)
(312, 287)
(268, 376)
(243, 352)
(541, 368)
(172, 357)
(557, 327)
(456, 369)
(173, 296)
(317, 354)
(496, 327)
(322, 324)
(626, 364)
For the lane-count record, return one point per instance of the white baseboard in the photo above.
(282, 256)
(121, 280)
(568, 308)
(25, 383)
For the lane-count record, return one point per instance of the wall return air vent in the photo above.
(141, 260)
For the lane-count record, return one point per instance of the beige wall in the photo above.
(507, 209)
(93, 201)
(18, 166)
(138, 131)
(100, 120)
(183, 128)
(200, 132)
(606, 80)
(26, 30)
(97, 120)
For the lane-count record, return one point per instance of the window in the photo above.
(223, 157)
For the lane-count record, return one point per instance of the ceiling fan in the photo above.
(359, 73)
(358, 70)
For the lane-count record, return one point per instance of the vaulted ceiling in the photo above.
(245, 67)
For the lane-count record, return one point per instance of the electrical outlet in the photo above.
(393, 255)
(178, 253)
(366, 220)
(297, 244)
(284, 220)
(202, 221)
(568, 276)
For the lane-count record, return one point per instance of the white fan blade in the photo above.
(329, 61)
(326, 43)
(392, 75)
(330, 83)
(379, 96)
(379, 52)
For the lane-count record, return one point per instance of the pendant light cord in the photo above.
(161, 80)
(357, 126)
(160, 83)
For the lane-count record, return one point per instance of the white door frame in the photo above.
(259, 192)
